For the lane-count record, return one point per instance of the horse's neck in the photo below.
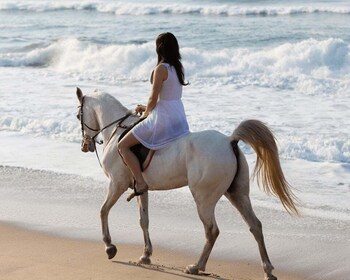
(107, 113)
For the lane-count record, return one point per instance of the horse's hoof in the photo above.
(144, 260)
(111, 251)
(192, 269)
(271, 277)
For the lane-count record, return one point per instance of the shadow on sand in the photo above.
(175, 271)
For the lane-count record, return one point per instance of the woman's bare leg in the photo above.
(131, 160)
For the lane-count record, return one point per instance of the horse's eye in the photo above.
(78, 115)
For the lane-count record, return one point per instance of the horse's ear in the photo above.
(80, 95)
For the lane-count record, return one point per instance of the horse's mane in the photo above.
(106, 98)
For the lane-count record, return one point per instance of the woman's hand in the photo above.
(140, 108)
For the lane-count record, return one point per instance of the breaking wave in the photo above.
(122, 8)
(310, 66)
(54, 128)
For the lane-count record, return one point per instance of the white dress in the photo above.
(167, 121)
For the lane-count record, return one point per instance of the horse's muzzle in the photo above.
(87, 145)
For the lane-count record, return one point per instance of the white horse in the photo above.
(210, 163)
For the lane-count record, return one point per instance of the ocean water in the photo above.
(284, 63)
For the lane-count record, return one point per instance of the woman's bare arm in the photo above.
(159, 76)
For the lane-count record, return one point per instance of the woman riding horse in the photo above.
(164, 116)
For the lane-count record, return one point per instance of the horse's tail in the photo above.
(267, 168)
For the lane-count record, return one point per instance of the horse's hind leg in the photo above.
(113, 195)
(206, 214)
(243, 205)
(144, 222)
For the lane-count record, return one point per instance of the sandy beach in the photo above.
(33, 255)
(50, 229)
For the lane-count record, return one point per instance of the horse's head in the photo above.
(88, 121)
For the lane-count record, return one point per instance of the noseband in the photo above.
(88, 139)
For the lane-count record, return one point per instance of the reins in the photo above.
(118, 123)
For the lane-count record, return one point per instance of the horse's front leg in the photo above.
(144, 223)
(113, 194)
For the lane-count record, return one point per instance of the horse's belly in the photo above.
(166, 184)
(167, 170)
(165, 177)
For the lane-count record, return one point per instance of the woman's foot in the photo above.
(140, 188)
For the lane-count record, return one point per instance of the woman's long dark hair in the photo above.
(168, 51)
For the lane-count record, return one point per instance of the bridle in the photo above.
(88, 139)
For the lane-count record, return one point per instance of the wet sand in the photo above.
(27, 254)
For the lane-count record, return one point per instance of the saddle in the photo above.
(143, 154)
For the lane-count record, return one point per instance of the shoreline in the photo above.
(28, 254)
(66, 208)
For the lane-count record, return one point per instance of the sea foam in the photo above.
(330, 143)
(310, 66)
(54, 128)
(120, 8)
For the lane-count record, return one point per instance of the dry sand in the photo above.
(33, 255)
